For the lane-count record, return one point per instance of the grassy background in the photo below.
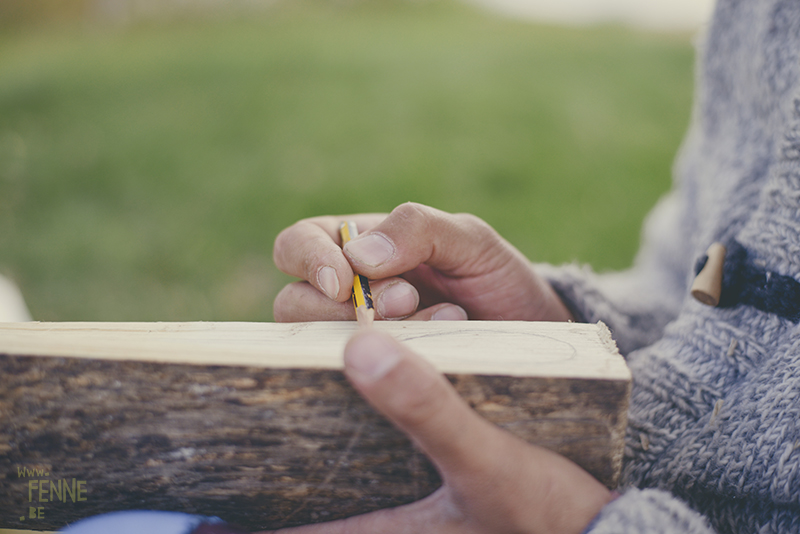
(146, 169)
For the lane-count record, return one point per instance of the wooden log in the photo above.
(255, 423)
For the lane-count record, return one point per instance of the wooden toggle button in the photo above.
(707, 286)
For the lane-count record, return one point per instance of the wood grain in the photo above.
(256, 423)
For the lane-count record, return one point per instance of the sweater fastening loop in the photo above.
(744, 281)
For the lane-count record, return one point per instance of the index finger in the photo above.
(311, 249)
(414, 234)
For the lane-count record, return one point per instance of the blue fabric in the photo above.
(139, 522)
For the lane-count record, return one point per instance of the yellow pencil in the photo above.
(362, 297)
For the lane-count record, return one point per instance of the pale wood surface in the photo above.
(512, 348)
(256, 423)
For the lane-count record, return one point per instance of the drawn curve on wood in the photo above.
(523, 348)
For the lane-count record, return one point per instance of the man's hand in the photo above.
(492, 481)
(423, 264)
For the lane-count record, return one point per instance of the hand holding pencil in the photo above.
(422, 264)
(451, 266)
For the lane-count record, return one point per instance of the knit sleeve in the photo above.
(637, 303)
(651, 511)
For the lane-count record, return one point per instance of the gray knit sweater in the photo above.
(713, 443)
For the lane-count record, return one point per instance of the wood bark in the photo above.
(261, 446)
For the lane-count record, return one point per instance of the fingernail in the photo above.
(372, 249)
(450, 313)
(397, 300)
(328, 281)
(370, 356)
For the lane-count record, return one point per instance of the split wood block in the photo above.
(256, 423)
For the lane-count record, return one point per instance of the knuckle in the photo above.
(489, 248)
(475, 225)
(413, 213)
(422, 221)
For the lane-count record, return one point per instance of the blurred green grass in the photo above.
(146, 169)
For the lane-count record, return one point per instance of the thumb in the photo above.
(419, 400)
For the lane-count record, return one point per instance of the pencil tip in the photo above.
(365, 316)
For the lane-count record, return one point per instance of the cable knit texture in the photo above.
(714, 428)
